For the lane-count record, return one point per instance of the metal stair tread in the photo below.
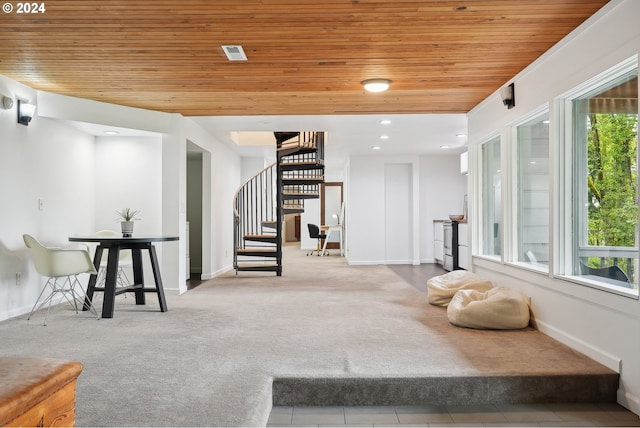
(293, 210)
(295, 149)
(257, 249)
(300, 195)
(262, 237)
(305, 165)
(304, 179)
(271, 267)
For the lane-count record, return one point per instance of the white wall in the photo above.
(442, 190)
(438, 189)
(46, 160)
(222, 170)
(602, 325)
(82, 180)
(250, 166)
(128, 174)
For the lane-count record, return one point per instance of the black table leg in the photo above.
(138, 275)
(156, 274)
(91, 287)
(110, 282)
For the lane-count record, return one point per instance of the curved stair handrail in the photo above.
(235, 197)
(259, 205)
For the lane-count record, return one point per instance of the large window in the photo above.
(605, 186)
(491, 194)
(532, 150)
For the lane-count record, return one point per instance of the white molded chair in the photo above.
(61, 266)
(124, 260)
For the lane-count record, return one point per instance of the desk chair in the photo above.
(314, 233)
(62, 267)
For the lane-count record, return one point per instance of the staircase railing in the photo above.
(262, 201)
(254, 207)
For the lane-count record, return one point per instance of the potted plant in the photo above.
(127, 216)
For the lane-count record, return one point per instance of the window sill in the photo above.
(601, 284)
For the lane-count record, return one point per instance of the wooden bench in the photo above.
(38, 392)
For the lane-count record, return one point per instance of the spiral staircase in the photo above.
(261, 203)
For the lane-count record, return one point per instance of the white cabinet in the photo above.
(438, 241)
(464, 258)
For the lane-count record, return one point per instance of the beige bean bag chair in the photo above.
(499, 308)
(440, 289)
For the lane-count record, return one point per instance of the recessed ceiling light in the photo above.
(111, 132)
(376, 85)
(376, 148)
(234, 52)
(461, 135)
(444, 146)
(385, 122)
(384, 137)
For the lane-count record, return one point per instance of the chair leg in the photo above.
(66, 288)
(80, 297)
(35, 305)
(122, 280)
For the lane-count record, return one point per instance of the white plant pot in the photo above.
(127, 228)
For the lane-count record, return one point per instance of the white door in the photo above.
(398, 213)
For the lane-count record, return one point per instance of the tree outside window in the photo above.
(606, 202)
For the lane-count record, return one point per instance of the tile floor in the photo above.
(499, 415)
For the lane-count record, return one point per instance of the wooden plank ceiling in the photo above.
(304, 57)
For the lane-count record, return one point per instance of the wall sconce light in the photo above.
(336, 216)
(508, 95)
(25, 112)
(376, 85)
(7, 102)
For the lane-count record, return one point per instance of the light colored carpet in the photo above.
(210, 360)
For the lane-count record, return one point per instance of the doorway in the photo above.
(331, 208)
(194, 214)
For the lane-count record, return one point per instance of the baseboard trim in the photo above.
(16, 312)
(610, 361)
(219, 272)
(364, 263)
(630, 401)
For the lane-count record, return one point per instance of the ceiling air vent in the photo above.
(234, 52)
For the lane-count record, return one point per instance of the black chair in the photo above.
(314, 233)
(611, 272)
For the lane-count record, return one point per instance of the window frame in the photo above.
(568, 229)
(514, 201)
(495, 138)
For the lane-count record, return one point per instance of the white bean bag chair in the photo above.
(440, 289)
(499, 308)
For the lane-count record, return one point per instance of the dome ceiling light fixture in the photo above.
(376, 85)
